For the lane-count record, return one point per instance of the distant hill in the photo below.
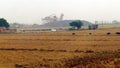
(64, 23)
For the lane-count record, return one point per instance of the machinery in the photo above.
(52, 18)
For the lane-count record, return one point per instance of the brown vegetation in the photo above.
(60, 50)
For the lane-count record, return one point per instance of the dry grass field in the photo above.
(61, 49)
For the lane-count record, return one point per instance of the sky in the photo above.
(32, 11)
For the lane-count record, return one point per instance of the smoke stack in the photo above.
(61, 17)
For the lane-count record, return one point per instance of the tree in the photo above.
(77, 24)
(35, 25)
(4, 23)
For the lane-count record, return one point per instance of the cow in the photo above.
(73, 33)
(90, 33)
(108, 33)
(118, 33)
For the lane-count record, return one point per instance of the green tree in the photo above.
(4, 23)
(77, 24)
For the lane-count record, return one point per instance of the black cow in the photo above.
(118, 33)
(90, 33)
(73, 33)
(108, 33)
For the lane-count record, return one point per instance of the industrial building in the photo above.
(52, 18)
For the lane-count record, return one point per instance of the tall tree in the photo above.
(77, 24)
(4, 23)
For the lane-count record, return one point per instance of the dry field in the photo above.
(61, 50)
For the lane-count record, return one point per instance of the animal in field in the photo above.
(108, 33)
(118, 33)
(90, 33)
(73, 33)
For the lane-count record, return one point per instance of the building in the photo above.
(4, 30)
(32, 30)
(93, 27)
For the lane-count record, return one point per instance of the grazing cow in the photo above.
(73, 33)
(90, 33)
(118, 33)
(108, 33)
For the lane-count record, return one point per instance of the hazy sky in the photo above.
(31, 11)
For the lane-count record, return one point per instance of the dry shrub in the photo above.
(89, 51)
(78, 51)
(101, 61)
(61, 50)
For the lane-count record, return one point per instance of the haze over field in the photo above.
(31, 11)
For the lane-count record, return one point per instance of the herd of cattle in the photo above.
(118, 33)
(108, 33)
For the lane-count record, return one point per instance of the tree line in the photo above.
(4, 23)
(77, 24)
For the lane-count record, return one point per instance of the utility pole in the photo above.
(102, 24)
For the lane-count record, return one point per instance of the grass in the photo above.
(60, 49)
